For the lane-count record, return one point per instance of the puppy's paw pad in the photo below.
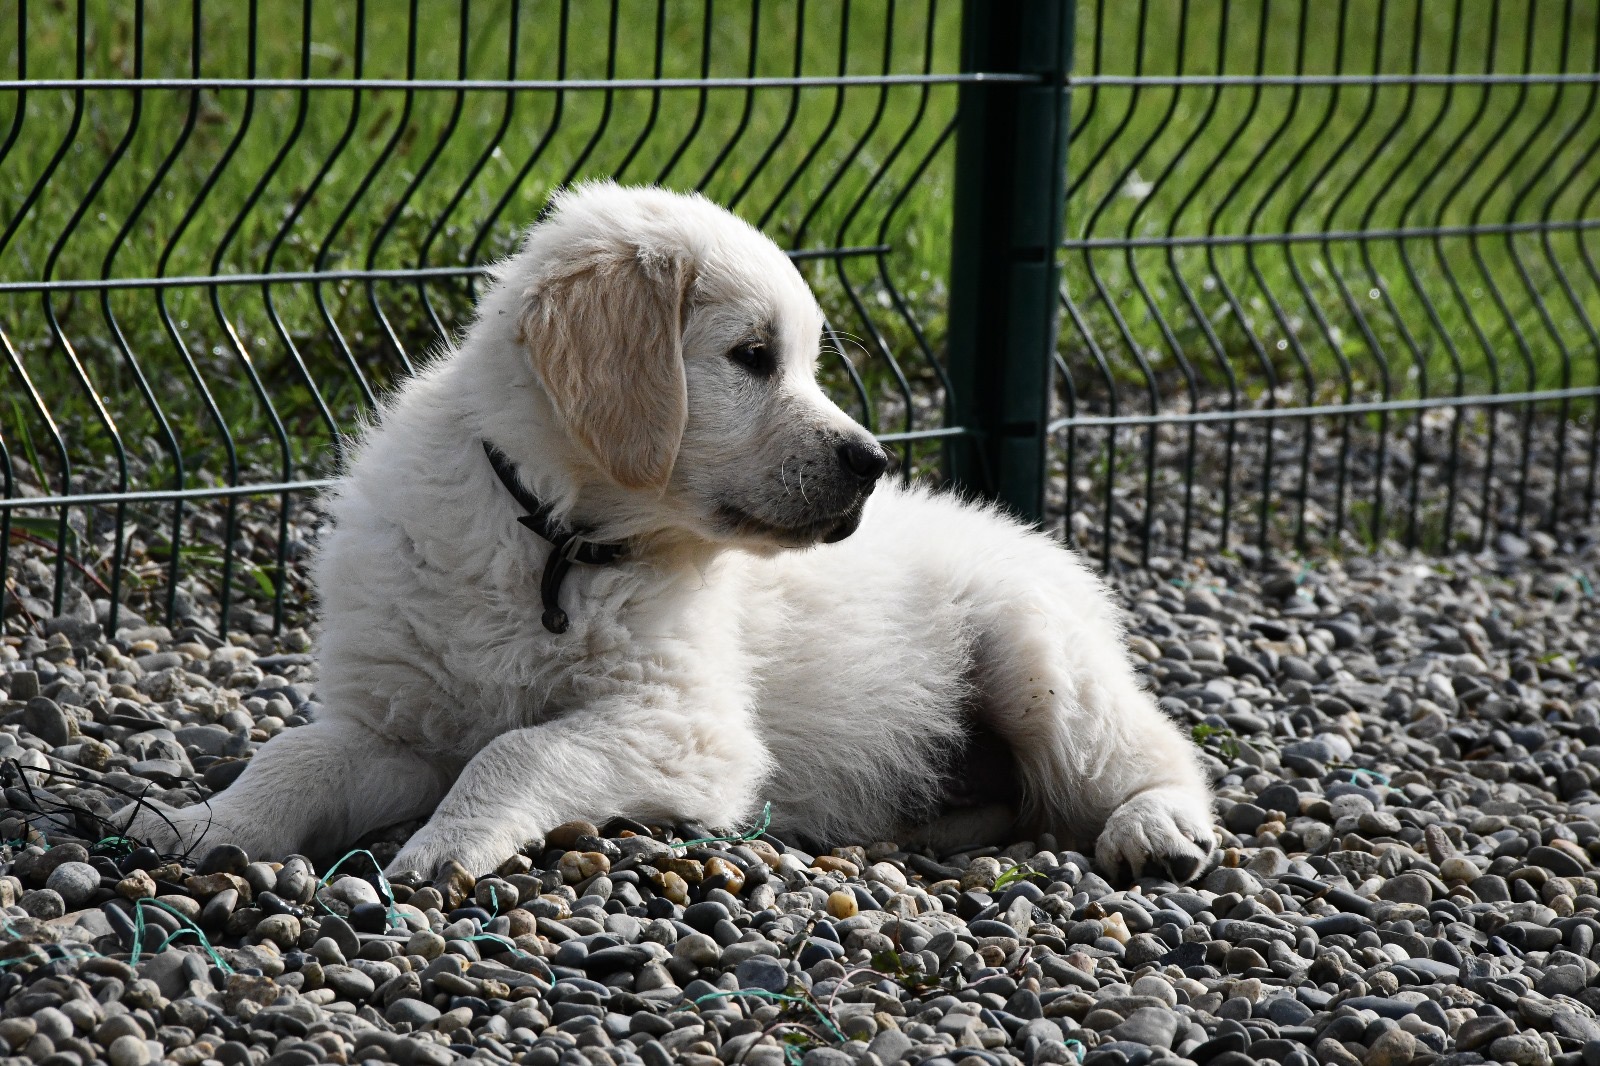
(1155, 833)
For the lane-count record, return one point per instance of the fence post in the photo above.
(1009, 201)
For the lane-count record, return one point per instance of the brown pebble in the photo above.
(735, 877)
(691, 870)
(207, 885)
(242, 987)
(454, 884)
(565, 835)
(1079, 961)
(674, 888)
(843, 904)
(137, 885)
(516, 864)
(427, 898)
(520, 923)
(764, 851)
(578, 866)
(833, 864)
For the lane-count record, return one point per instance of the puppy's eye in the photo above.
(754, 356)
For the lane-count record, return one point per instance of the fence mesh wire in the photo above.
(1370, 225)
(227, 227)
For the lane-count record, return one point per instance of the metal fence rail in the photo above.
(1330, 274)
(1327, 271)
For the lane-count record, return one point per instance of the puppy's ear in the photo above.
(606, 339)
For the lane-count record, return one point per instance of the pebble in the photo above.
(1152, 1026)
(282, 929)
(128, 1051)
(413, 1012)
(1393, 1047)
(762, 972)
(45, 719)
(1403, 755)
(1406, 888)
(75, 882)
(43, 903)
(842, 904)
(1520, 1049)
(426, 943)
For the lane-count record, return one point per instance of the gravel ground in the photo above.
(1404, 747)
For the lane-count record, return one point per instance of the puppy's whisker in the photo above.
(859, 342)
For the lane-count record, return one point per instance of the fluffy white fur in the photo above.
(731, 658)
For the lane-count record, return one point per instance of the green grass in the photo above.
(1363, 316)
(363, 187)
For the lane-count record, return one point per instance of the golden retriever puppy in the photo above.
(616, 553)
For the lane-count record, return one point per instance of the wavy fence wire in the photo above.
(1368, 225)
(226, 226)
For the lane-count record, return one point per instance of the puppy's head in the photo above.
(678, 347)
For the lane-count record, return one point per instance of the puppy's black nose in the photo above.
(864, 459)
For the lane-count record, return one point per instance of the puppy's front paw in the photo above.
(190, 831)
(476, 848)
(1161, 831)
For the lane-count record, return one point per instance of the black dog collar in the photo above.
(568, 546)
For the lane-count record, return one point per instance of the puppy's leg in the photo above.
(317, 787)
(625, 758)
(1099, 759)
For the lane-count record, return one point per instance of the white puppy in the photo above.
(738, 623)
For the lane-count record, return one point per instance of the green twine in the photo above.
(1077, 1048)
(504, 941)
(1583, 582)
(85, 952)
(751, 834)
(761, 993)
(138, 933)
(392, 915)
(113, 840)
(181, 932)
(1360, 771)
